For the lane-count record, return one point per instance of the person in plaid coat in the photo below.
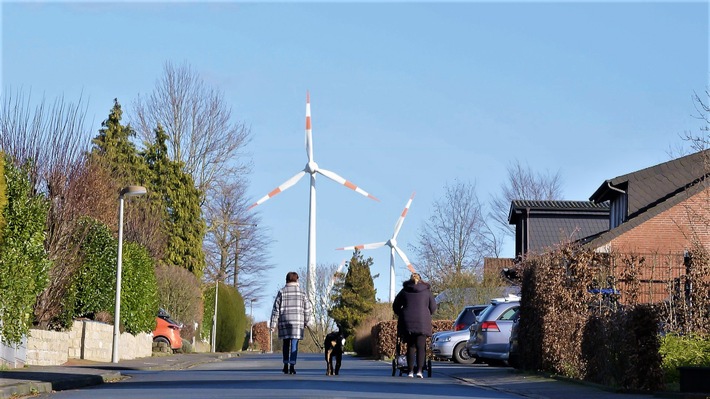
(292, 312)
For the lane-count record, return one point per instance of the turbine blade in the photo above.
(398, 225)
(288, 183)
(309, 134)
(404, 258)
(362, 246)
(336, 178)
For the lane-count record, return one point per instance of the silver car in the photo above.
(451, 345)
(489, 338)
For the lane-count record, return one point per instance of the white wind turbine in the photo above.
(392, 243)
(311, 168)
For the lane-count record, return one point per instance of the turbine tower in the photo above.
(311, 168)
(392, 243)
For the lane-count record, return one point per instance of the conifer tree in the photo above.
(354, 298)
(113, 149)
(180, 200)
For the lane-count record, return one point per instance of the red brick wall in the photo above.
(670, 231)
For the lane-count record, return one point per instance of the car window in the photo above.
(484, 314)
(508, 314)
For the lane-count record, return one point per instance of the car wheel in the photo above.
(461, 354)
(162, 339)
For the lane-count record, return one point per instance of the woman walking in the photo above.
(292, 312)
(414, 305)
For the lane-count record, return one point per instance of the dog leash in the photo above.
(313, 336)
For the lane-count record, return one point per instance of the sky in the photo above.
(405, 96)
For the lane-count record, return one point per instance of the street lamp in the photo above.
(214, 316)
(129, 191)
(251, 315)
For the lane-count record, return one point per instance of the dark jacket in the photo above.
(414, 305)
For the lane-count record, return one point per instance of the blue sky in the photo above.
(404, 96)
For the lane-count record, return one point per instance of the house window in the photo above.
(617, 212)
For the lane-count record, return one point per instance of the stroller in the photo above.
(399, 360)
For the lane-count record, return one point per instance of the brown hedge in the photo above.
(384, 336)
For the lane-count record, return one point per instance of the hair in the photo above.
(416, 278)
(291, 277)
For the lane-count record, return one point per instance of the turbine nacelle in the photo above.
(311, 167)
(391, 243)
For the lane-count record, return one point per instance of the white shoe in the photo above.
(410, 375)
(419, 375)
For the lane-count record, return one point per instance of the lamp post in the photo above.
(251, 315)
(129, 191)
(214, 316)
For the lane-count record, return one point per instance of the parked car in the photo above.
(489, 338)
(514, 345)
(167, 330)
(451, 345)
(467, 317)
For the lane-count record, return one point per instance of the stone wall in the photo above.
(87, 340)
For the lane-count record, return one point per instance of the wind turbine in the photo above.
(311, 168)
(392, 243)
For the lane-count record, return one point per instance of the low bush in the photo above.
(679, 351)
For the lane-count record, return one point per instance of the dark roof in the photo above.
(650, 186)
(654, 190)
(556, 207)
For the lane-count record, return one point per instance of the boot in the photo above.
(285, 368)
(292, 370)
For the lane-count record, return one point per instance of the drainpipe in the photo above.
(527, 231)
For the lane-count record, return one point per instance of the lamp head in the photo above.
(132, 191)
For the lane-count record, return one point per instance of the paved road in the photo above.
(261, 377)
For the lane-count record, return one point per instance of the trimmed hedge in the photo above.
(232, 324)
(384, 337)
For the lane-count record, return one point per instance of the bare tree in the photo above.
(235, 245)
(326, 277)
(198, 123)
(455, 239)
(523, 184)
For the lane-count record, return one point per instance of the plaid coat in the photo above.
(292, 312)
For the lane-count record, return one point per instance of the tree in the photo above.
(354, 297)
(235, 246)
(454, 240)
(523, 184)
(23, 260)
(180, 200)
(328, 276)
(197, 122)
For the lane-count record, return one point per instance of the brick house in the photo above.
(659, 209)
(656, 213)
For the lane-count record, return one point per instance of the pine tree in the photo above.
(179, 199)
(113, 149)
(354, 298)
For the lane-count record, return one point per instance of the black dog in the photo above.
(333, 346)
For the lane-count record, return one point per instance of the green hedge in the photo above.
(679, 351)
(94, 288)
(23, 261)
(232, 324)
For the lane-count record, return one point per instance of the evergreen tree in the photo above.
(179, 199)
(354, 297)
(113, 149)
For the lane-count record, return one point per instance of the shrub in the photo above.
(678, 351)
(363, 343)
(139, 291)
(23, 262)
(94, 285)
(231, 318)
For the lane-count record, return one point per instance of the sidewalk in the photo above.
(80, 373)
